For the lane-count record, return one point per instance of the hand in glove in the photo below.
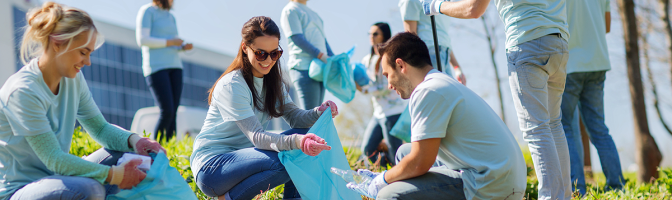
(127, 175)
(372, 188)
(312, 144)
(325, 105)
(323, 57)
(432, 7)
(144, 146)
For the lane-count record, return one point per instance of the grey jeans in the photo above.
(439, 182)
(537, 73)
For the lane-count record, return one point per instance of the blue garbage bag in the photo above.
(359, 73)
(311, 174)
(317, 66)
(402, 129)
(315, 70)
(162, 182)
(338, 78)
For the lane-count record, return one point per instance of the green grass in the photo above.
(180, 151)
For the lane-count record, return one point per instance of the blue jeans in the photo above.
(376, 131)
(439, 182)
(537, 72)
(444, 52)
(310, 93)
(246, 172)
(166, 87)
(72, 187)
(586, 89)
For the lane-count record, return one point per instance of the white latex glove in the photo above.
(324, 57)
(371, 190)
(460, 76)
(366, 172)
(432, 7)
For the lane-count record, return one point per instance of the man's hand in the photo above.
(432, 7)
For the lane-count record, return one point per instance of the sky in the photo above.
(216, 25)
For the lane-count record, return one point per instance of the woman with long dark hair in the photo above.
(387, 104)
(156, 34)
(234, 157)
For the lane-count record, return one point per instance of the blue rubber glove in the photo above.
(432, 7)
(369, 189)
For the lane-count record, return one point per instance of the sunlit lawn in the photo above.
(179, 152)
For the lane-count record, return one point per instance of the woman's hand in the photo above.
(126, 175)
(174, 42)
(460, 76)
(312, 144)
(327, 104)
(188, 46)
(144, 146)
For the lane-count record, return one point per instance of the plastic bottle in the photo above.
(351, 176)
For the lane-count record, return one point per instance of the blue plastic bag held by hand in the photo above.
(162, 182)
(402, 129)
(338, 78)
(359, 73)
(312, 174)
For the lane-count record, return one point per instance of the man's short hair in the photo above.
(407, 46)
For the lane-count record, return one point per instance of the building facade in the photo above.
(115, 76)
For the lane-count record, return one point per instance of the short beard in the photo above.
(404, 87)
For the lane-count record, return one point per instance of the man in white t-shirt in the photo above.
(460, 147)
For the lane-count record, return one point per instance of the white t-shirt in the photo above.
(474, 140)
(386, 102)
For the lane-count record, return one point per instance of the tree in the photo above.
(490, 36)
(647, 154)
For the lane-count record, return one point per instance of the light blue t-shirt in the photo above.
(411, 10)
(231, 102)
(526, 20)
(29, 108)
(474, 140)
(588, 44)
(161, 24)
(297, 18)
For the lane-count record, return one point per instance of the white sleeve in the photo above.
(143, 39)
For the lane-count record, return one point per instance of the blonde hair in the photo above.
(56, 22)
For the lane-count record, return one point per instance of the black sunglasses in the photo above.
(261, 55)
(374, 34)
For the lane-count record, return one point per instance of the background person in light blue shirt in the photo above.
(415, 21)
(234, 157)
(304, 30)
(156, 34)
(537, 53)
(38, 108)
(588, 63)
(478, 157)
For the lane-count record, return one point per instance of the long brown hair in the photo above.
(274, 84)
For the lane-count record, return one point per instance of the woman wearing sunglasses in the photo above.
(305, 31)
(387, 104)
(234, 157)
(156, 34)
